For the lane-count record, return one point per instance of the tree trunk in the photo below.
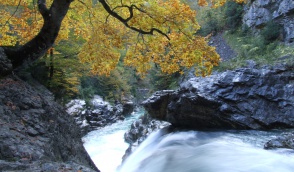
(40, 44)
(51, 71)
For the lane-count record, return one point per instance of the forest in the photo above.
(74, 45)
(82, 48)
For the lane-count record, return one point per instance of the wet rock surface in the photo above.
(99, 114)
(140, 130)
(285, 140)
(246, 98)
(36, 134)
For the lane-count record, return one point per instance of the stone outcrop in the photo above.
(259, 12)
(127, 107)
(139, 131)
(36, 134)
(245, 98)
(99, 114)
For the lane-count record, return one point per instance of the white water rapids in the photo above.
(106, 146)
(190, 151)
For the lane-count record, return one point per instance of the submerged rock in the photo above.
(283, 141)
(36, 134)
(245, 98)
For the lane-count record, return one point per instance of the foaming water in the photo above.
(191, 151)
(207, 152)
(106, 146)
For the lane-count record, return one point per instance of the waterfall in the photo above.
(187, 151)
(196, 151)
(106, 146)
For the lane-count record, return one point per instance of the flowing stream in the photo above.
(106, 146)
(189, 151)
(195, 151)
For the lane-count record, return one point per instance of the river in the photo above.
(106, 146)
(188, 151)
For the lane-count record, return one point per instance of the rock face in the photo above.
(139, 131)
(36, 134)
(100, 114)
(5, 64)
(259, 12)
(242, 99)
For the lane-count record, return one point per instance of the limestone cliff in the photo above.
(259, 12)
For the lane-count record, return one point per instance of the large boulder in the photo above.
(36, 134)
(99, 114)
(245, 98)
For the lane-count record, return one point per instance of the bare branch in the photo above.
(90, 12)
(125, 21)
(7, 22)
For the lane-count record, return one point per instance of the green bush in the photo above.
(254, 48)
(213, 20)
(210, 20)
(162, 81)
(270, 32)
(233, 15)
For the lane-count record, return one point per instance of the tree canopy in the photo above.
(154, 32)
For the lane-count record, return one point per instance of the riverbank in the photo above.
(36, 133)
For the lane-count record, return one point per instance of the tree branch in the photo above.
(43, 8)
(125, 21)
(7, 22)
(90, 11)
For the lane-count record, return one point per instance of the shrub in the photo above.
(210, 20)
(233, 15)
(270, 32)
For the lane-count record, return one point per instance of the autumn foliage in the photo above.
(154, 32)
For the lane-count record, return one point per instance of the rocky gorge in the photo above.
(38, 135)
(255, 98)
(229, 100)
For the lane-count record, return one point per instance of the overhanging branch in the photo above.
(125, 21)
